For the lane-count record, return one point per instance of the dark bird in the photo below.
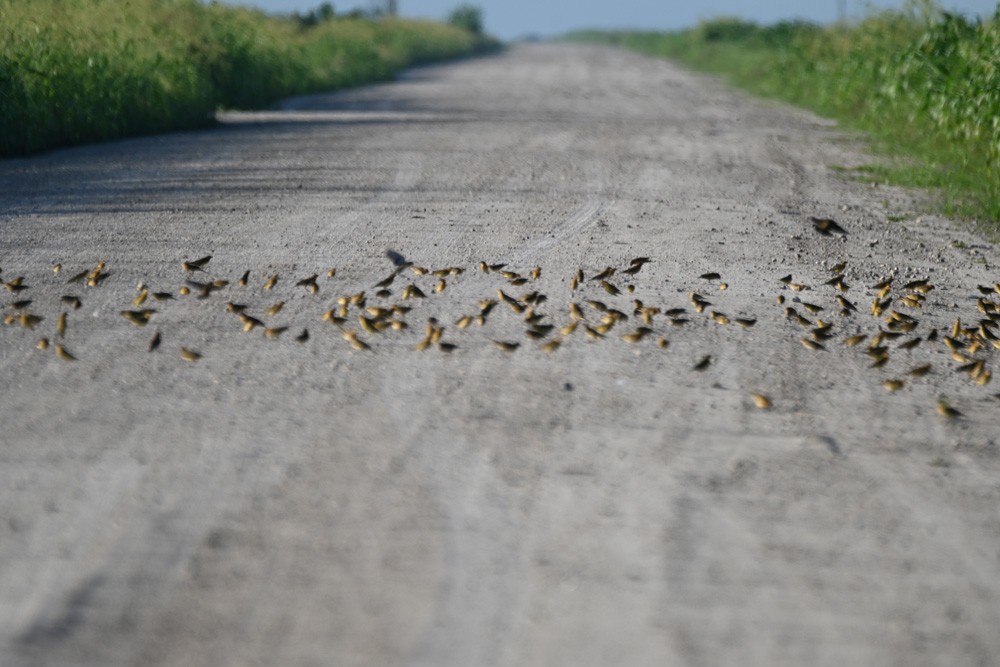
(826, 226)
(705, 362)
(197, 264)
(396, 258)
(309, 283)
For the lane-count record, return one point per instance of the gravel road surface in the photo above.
(287, 502)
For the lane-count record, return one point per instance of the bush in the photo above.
(74, 71)
(468, 18)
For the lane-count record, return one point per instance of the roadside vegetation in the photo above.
(923, 83)
(75, 71)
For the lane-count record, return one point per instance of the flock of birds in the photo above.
(385, 308)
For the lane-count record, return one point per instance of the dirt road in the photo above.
(286, 502)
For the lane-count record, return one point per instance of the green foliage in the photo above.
(468, 18)
(924, 83)
(325, 12)
(75, 71)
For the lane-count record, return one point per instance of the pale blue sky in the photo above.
(509, 19)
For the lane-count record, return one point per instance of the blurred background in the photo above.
(516, 19)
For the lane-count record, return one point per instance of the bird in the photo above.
(637, 335)
(309, 283)
(609, 288)
(16, 285)
(190, 355)
(812, 307)
(551, 346)
(761, 401)
(826, 226)
(947, 411)
(846, 305)
(396, 258)
(154, 342)
(712, 275)
(197, 264)
(569, 328)
(139, 318)
(249, 322)
(892, 386)
(358, 344)
(303, 337)
(63, 353)
(810, 344)
(705, 362)
(506, 346)
(271, 282)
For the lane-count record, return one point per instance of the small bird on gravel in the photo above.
(197, 264)
(309, 283)
(396, 258)
(826, 226)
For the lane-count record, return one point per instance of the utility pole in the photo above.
(391, 7)
(841, 10)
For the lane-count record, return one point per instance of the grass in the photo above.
(922, 83)
(75, 71)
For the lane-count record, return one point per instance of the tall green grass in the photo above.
(75, 71)
(923, 83)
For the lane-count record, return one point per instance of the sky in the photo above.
(511, 19)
